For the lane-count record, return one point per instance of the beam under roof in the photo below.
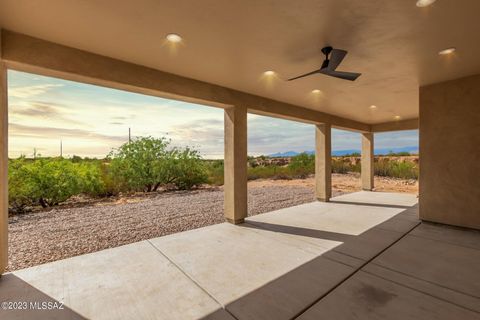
(25, 53)
(410, 124)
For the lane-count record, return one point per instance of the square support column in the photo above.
(367, 161)
(235, 179)
(3, 169)
(323, 162)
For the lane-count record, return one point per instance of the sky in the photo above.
(91, 120)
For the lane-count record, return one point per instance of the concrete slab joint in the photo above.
(323, 162)
(235, 184)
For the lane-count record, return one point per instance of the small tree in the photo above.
(141, 164)
(187, 169)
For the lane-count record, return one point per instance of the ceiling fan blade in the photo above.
(352, 76)
(304, 75)
(336, 57)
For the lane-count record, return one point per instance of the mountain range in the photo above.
(380, 151)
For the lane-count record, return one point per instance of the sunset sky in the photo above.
(91, 120)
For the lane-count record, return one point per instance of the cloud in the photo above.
(44, 110)
(37, 110)
(122, 117)
(203, 130)
(30, 91)
(206, 135)
(57, 133)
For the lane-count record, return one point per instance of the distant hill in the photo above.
(285, 154)
(410, 149)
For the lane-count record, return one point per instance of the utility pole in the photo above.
(61, 149)
(129, 135)
(34, 153)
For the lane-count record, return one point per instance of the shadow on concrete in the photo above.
(290, 295)
(381, 205)
(285, 297)
(299, 231)
(20, 300)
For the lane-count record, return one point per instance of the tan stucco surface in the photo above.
(3, 168)
(450, 152)
(231, 43)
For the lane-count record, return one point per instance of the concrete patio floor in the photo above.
(361, 256)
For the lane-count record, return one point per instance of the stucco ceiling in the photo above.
(393, 43)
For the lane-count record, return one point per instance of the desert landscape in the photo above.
(81, 226)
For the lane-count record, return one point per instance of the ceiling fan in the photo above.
(330, 65)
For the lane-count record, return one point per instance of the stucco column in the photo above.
(367, 161)
(235, 181)
(323, 162)
(3, 169)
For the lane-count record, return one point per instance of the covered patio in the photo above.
(363, 255)
(366, 255)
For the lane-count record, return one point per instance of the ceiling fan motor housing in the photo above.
(326, 50)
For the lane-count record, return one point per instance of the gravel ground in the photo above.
(45, 236)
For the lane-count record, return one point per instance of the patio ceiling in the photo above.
(394, 44)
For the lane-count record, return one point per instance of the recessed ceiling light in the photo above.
(173, 37)
(373, 107)
(316, 91)
(424, 3)
(447, 51)
(269, 73)
(397, 117)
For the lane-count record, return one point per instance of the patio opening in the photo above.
(81, 180)
(281, 163)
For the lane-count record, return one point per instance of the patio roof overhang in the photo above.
(229, 44)
(34, 55)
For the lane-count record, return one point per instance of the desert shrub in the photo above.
(90, 178)
(49, 181)
(18, 186)
(396, 169)
(44, 181)
(215, 172)
(398, 154)
(266, 172)
(112, 184)
(302, 165)
(186, 169)
(140, 165)
(340, 166)
(147, 163)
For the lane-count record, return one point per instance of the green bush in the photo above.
(302, 165)
(44, 181)
(341, 166)
(140, 165)
(396, 169)
(91, 178)
(145, 164)
(215, 171)
(186, 169)
(267, 172)
(18, 186)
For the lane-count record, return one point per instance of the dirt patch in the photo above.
(347, 183)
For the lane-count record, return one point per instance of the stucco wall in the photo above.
(450, 152)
